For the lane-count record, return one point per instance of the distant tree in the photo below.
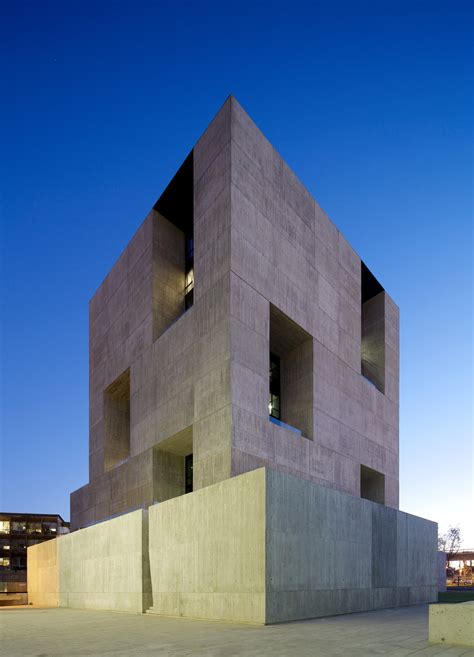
(450, 542)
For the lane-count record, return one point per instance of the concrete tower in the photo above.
(238, 329)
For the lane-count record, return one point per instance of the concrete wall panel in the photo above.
(262, 547)
(43, 574)
(330, 553)
(207, 552)
(106, 566)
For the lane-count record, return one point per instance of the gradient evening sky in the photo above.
(369, 102)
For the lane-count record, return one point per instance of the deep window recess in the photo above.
(189, 271)
(372, 485)
(173, 465)
(274, 398)
(188, 474)
(117, 421)
(372, 329)
(291, 374)
(173, 249)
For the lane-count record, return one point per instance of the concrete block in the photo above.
(331, 553)
(452, 624)
(260, 240)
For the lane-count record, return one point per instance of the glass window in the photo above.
(5, 562)
(189, 281)
(4, 526)
(189, 272)
(18, 563)
(274, 396)
(18, 527)
(188, 474)
(34, 528)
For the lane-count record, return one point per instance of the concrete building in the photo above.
(243, 411)
(238, 286)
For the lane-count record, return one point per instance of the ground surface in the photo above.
(70, 632)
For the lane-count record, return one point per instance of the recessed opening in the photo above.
(173, 250)
(275, 389)
(189, 271)
(117, 421)
(372, 329)
(372, 485)
(188, 473)
(291, 374)
(173, 466)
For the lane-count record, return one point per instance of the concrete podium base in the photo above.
(263, 547)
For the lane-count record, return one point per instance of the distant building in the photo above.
(17, 532)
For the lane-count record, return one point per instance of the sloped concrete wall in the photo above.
(207, 551)
(43, 574)
(330, 553)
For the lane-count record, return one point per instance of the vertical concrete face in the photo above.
(168, 274)
(373, 340)
(212, 376)
(207, 552)
(331, 553)
(179, 362)
(43, 574)
(102, 567)
(267, 547)
(262, 247)
(285, 248)
(106, 566)
(262, 547)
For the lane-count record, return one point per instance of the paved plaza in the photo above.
(69, 632)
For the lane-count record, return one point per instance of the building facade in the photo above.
(18, 531)
(238, 329)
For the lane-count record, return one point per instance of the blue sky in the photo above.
(371, 105)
